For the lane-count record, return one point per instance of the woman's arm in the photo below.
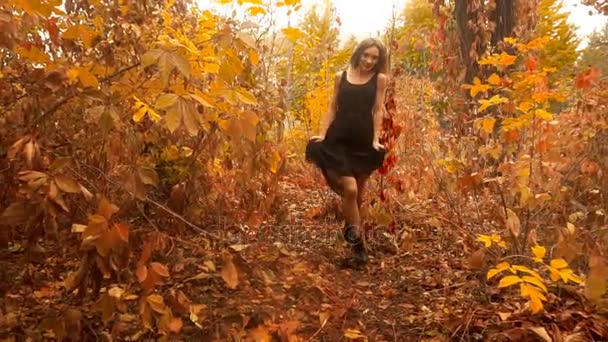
(379, 108)
(327, 119)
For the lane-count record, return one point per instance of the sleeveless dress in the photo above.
(347, 148)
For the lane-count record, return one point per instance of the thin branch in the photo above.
(151, 201)
(65, 99)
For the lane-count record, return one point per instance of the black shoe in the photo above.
(350, 235)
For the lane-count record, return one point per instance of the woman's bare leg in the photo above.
(350, 206)
(361, 185)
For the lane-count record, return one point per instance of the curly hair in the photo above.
(364, 45)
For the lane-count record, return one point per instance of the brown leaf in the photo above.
(67, 184)
(59, 200)
(106, 209)
(30, 152)
(17, 147)
(86, 193)
(156, 303)
(160, 269)
(148, 176)
(513, 224)
(17, 213)
(53, 191)
(30, 175)
(141, 273)
(542, 333)
(477, 259)
(229, 271)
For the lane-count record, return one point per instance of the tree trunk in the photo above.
(504, 18)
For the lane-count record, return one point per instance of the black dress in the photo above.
(347, 148)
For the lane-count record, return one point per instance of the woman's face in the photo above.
(369, 58)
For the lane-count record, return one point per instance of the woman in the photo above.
(347, 149)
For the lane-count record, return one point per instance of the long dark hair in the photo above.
(364, 45)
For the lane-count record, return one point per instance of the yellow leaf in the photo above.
(165, 100)
(510, 40)
(494, 79)
(253, 57)
(503, 59)
(508, 281)
(499, 268)
(292, 33)
(488, 124)
(33, 54)
(567, 274)
(494, 100)
(554, 273)
(87, 78)
(536, 305)
(558, 263)
(543, 114)
(275, 162)
(487, 241)
(528, 290)
(353, 334)
(72, 32)
(527, 270)
(525, 106)
(535, 281)
(245, 96)
(539, 253)
(253, 11)
(476, 87)
(141, 109)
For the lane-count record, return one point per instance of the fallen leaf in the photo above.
(504, 315)
(229, 271)
(542, 333)
(260, 334)
(175, 325)
(477, 259)
(353, 334)
(324, 317)
(160, 269)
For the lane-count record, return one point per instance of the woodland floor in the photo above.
(293, 280)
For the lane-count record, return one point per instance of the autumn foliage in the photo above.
(138, 138)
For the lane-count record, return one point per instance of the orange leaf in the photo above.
(160, 269)
(142, 273)
(175, 325)
(123, 232)
(229, 271)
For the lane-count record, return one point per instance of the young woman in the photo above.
(347, 149)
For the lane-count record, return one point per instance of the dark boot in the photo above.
(356, 243)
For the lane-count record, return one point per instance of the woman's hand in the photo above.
(317, 138)
(377, 146)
